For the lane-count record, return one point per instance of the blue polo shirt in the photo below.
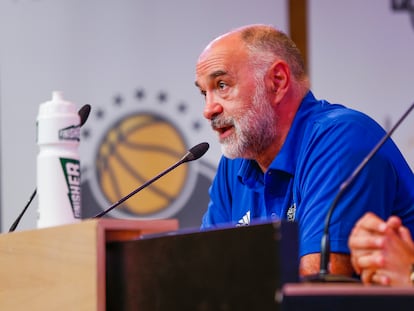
(325, 144)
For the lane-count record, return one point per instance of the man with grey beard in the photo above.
(285, 153)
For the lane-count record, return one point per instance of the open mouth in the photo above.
(223, 126)
(224, 131)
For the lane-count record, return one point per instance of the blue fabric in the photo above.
(325, 144)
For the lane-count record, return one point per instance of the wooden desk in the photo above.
(63, 268)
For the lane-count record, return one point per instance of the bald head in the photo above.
(264, 44)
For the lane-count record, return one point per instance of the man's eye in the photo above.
(203, 93)
(221, 85)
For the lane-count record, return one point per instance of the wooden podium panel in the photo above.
(234, 268)
(63, 268)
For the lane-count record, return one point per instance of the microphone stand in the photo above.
(193, 154)
(146, 184)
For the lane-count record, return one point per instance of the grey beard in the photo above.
(254, 133)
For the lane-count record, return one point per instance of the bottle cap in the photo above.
(58, 121)
(57, 105)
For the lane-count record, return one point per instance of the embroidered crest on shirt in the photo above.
(245, 221)
(291, 212)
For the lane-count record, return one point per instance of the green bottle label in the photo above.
(71, 170)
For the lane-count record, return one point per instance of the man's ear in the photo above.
(278, 80)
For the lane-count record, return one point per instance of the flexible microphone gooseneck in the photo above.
(83, 115)
(193, 154)
(324, 274)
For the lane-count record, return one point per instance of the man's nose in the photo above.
(212, 107)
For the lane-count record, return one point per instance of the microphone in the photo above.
(193, 154)
(324, 275)
(83, 115)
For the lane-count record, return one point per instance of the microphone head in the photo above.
(196, 152)
(84, 114)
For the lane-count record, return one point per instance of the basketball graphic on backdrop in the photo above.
(133, 151)
(131, 140)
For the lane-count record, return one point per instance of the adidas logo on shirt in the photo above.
(245, 221)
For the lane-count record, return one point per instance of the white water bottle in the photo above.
(58, 165)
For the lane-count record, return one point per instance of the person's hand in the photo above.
(363, 243)
(382, 252)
